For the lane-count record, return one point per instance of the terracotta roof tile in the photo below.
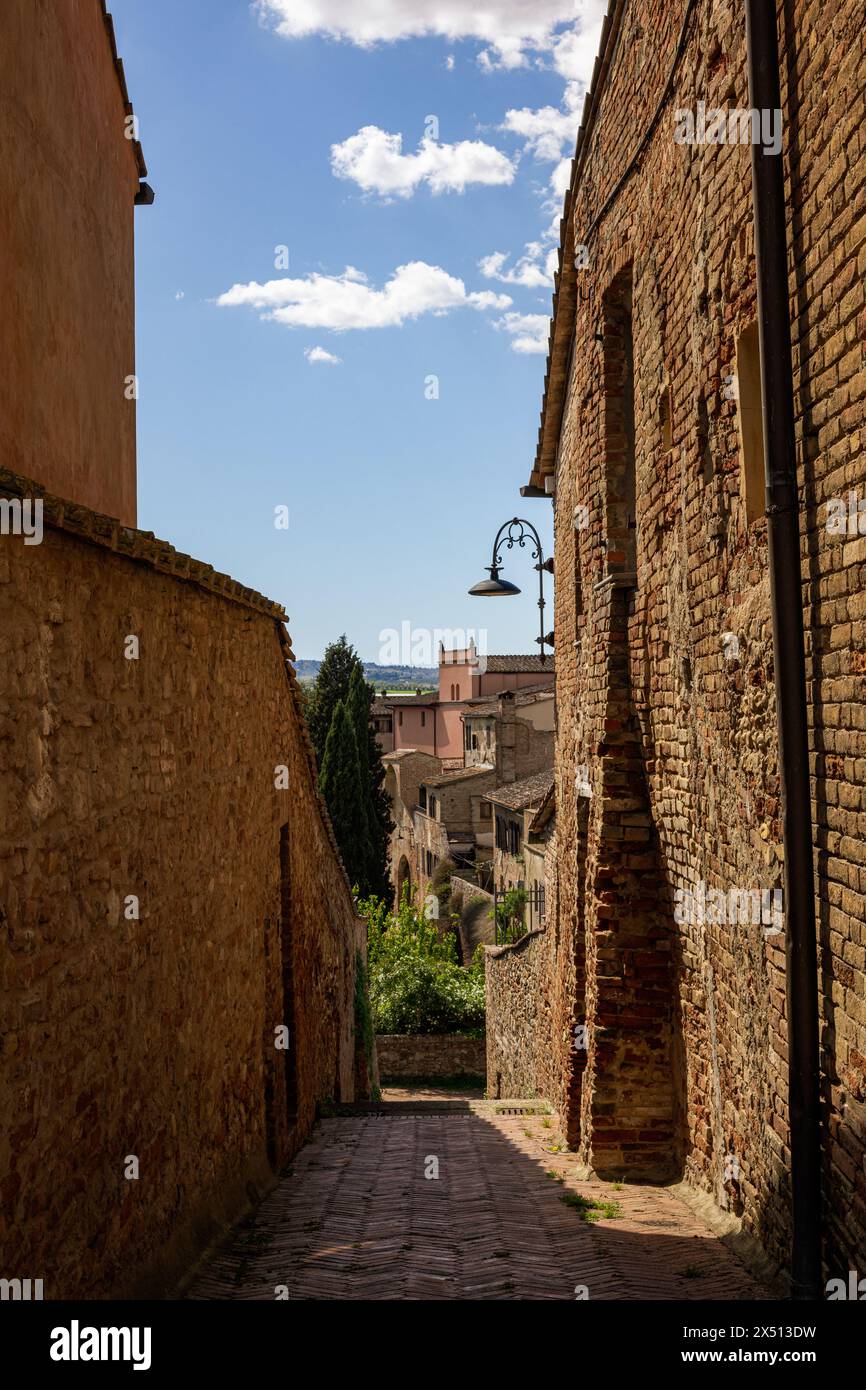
(519, 796)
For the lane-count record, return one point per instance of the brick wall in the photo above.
(154, 1037)
(673, 723)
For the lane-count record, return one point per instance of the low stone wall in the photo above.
(430, 1054)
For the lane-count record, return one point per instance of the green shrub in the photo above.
(415, 982)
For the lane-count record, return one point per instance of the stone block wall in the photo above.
(429, 1055)
(168, 900)
(518, 1017)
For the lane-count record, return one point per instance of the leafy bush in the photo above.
(511, 916)
(415, 982)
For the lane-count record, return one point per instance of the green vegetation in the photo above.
(510, 916)
(351, 775)
(341, 785)
(590, 1208)
(416, 984)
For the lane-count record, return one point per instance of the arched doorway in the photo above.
(404, 880)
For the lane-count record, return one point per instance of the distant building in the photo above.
(431, 722)
(440, 805)
(519, 844)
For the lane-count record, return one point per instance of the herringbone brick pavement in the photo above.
(356, 1218)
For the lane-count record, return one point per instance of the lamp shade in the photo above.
(494, 586)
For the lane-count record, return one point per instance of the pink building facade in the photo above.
(433, 723)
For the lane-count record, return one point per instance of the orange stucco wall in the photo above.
(68, 178)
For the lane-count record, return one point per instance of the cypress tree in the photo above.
(341, 784)
(379, 823)
(341, 678)
(332, 684)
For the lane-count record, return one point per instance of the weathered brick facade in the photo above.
(154, 1035)
(665, 700)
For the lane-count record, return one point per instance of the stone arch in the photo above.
(404, 879)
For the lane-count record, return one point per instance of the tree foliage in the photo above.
(357, 801)
(416, 984)
(341, 785)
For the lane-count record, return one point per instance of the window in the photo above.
(458, 690)
(750, 422)
(422, 798)
(468, 738)
(486, 810)
(400, 718)
(423, 718)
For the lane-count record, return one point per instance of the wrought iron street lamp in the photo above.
(512, 533)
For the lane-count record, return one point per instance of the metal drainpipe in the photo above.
(783, 530)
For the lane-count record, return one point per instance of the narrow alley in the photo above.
(355, 1217)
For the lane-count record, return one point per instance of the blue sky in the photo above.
(305, 124)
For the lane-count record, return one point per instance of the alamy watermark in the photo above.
(734, 906)
(854, 1290)
(21, 1290)
(846, 516)
(734, 126)
(420, 646)
(22, 517)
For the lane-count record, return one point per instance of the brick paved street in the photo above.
(356, 1218)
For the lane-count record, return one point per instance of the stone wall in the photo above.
(429, 1054)
(665, 700)
(517, 1017)
(165, 906)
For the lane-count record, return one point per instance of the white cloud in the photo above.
(509, 27)
(560, 181)
(320, 354)
(575, 50)
(344, 302)
(487, 299)
(529, 332)
(547, 128)
(530, 269)
(449, 62)
(549, 134)
(374, 160)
